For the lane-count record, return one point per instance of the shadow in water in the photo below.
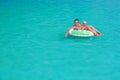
(62, 38)
(80, 38)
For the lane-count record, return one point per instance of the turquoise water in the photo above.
(33, 46)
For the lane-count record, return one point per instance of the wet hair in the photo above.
(84, 21)
(76, 20)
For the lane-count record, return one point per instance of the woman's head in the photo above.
(84, 22)
(76, 21)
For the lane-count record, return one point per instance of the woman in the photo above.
(76, 26)
(90, 28)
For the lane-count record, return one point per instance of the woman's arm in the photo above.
(68, 31)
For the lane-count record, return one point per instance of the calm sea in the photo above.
(33, 45)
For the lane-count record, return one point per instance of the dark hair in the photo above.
(76, 20)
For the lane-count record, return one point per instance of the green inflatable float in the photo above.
(81, 33)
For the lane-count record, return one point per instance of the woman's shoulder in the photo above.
(80, 24)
